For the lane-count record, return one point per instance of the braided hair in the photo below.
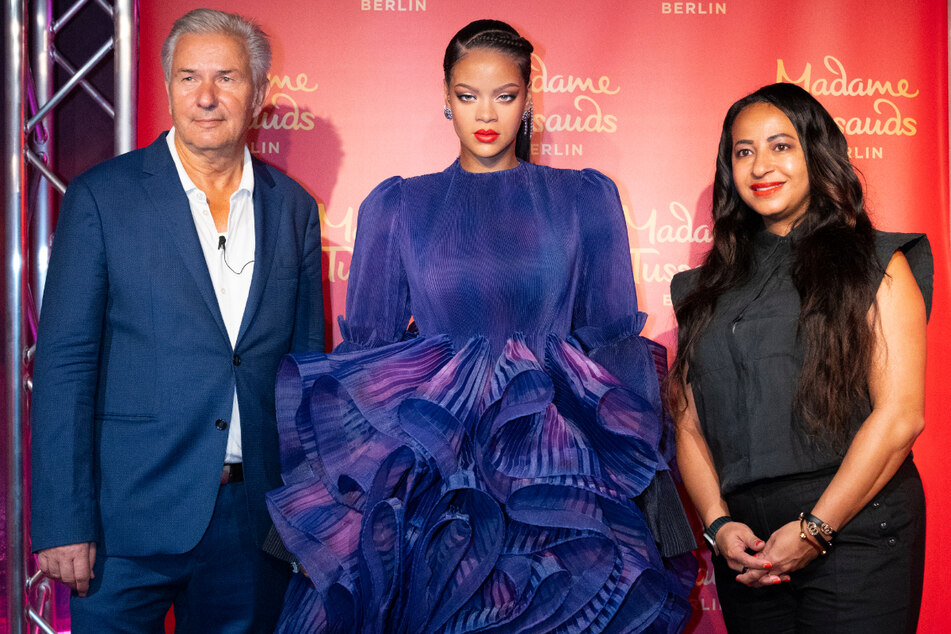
(498, 36)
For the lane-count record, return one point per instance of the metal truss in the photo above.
(30, 99)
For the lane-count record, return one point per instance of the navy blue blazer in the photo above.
(134, 366)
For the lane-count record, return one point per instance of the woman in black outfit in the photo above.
(799, 382)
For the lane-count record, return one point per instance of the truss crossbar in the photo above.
(68, 15)
(38, 162)
(63, 92)
(91, 90)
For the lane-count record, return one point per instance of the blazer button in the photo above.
(236, 359)
(221, 424)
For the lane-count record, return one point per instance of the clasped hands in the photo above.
(760, 563)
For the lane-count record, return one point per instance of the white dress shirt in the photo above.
(230, 260)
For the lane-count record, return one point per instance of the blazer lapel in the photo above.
(268, 212)
(168, 197)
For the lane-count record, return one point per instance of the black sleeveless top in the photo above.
(746, 365)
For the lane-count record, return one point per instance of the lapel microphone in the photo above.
(224, 256)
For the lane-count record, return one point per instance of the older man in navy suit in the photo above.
(180, 274)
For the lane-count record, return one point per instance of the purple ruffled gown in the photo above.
(506, 470)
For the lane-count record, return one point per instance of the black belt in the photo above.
(233, 472)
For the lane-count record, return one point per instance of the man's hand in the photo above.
(72, 564)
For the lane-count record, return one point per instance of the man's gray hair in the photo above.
(210, 21)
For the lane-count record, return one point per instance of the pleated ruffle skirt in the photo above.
(433, 491)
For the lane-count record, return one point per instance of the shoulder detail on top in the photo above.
(592, 178)
(415, 189)
(386, 188)
(917, 250)
(383, 201)
(597, 195)
(681, 284)
(419, 178)
(565, 171)
(589, 173)
(585, 177)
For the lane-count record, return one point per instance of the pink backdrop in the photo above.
(637, 90)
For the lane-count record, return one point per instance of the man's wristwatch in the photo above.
(710, 533)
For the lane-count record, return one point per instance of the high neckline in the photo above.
(767, 238)
(457, 166)
(764, 238)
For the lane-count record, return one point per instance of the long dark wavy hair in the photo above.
(498, 36)
(833, 264)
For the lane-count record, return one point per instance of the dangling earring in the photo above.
(528, 121)
(447, 113)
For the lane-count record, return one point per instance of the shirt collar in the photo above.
(247, 170)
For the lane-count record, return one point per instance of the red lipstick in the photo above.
(486, 136)
(766, 189)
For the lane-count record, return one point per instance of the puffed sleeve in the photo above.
(607, 325)
(606, 284)
(605, 320)
(378, 309)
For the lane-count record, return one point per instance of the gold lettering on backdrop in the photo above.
(392, 5)
(596, 121)
(542, 82)
(285, 115)
(588, 115)
(338, 267)
(693, 8)
(656, 272)
(841, 86)
(677, 227)
(891, 123)
(348, 223)
(261, 147)
(557, 149)
(867, 152)
(284, 82)
(895, 125)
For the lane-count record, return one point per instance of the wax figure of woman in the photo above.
(801, 382)
(480, 476)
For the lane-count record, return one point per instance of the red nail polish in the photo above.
(777, 581)
(767, 565)
(759, 542)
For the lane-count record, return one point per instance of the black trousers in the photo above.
(870, 581)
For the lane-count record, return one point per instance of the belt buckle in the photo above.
(232, 472)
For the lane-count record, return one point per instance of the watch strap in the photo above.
(710, 533)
